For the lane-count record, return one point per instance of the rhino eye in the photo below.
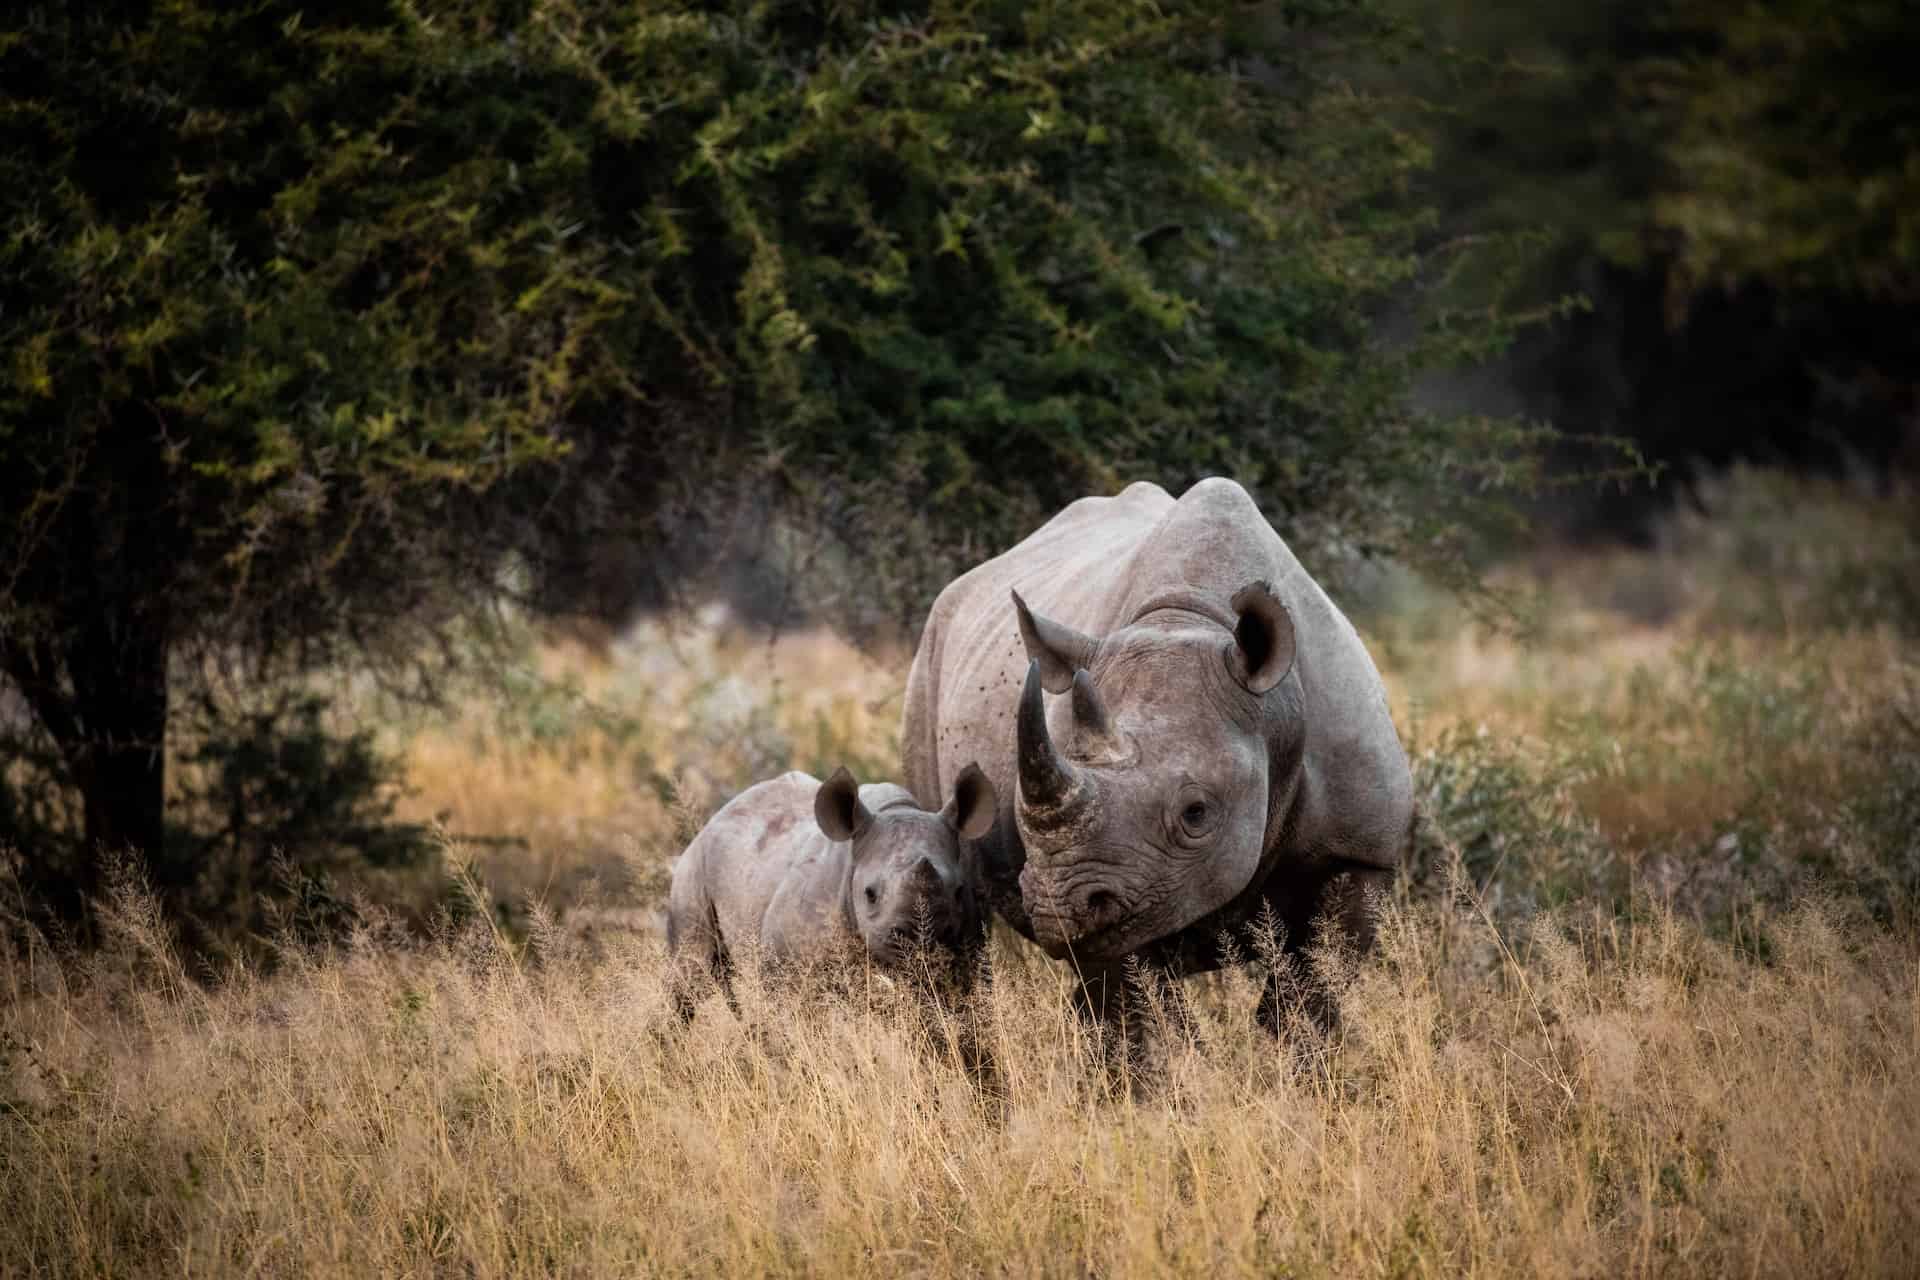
(1196, 817)
(873, 895)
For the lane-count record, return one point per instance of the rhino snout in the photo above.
(1065, 914)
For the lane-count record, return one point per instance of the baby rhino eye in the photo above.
(1194, 815)
(873, 895)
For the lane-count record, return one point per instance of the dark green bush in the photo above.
(280, 804)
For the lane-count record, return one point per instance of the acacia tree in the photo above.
(313, 313)
(262, 386)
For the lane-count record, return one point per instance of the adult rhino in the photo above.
(1226, 745)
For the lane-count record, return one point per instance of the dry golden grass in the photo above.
(1689, 730)
(1598, 1096)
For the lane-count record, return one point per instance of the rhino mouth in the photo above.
(1081, 921)
(908, 945)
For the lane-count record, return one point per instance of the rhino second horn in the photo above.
(1047, 781)
(1091, 724)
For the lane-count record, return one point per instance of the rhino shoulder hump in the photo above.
(1223, 490)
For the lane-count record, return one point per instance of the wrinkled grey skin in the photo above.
(1224, 745)
(801, 870)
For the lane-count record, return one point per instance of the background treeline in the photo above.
(328, 330)
(1734, 190)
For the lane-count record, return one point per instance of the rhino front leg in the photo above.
(1135, 1008)
(1289, 993)
(1344, 919)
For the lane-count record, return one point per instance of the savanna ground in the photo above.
(1648, 1000)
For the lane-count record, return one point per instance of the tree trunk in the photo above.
(119, 672)
(86, 638)
(103, 700)
(116, 654)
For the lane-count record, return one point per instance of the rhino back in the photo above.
(763, 845)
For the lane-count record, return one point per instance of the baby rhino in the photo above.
(802, 870)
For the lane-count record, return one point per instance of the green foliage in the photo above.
(1729, 186)
(1788, 139)
(280, 802)
(1532, 135)
(1723, 142)
(1511, 820)
(263, 359)
(993, 256)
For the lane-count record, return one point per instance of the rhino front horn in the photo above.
(1047, 781)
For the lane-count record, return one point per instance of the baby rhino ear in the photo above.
(837, 807)
(974, 806)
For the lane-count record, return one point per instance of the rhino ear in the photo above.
(837, 807)
(1059, 649)
(973, 807)
(1262, 639)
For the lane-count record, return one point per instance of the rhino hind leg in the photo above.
(699, 959)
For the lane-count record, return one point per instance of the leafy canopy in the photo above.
(343, 268)
(1792, 143)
